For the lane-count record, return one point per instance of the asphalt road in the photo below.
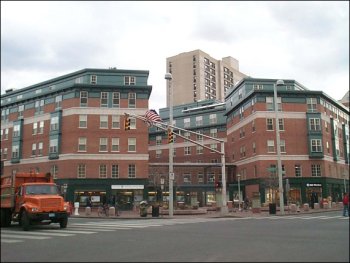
(321, 237)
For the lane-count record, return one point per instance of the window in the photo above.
(211, 177)
(103, 144)
(270, 146)
(158, 153)
(35, 128)
(83, 98)
(315, 170)
(214, 132)
(83, 121)
(253, 126)
(41, 127)
(39, 104)
(199, 149)
(311, 104)
(187, 178)
(131, 144)
(212, 119)
(187, 123)
(104, 100)
(4, 154)
(115, 145)
(15, 151)
(40, 148)
(297, 169)
(316, 145)
(93, 79)
(132, 123)
(213, 147)
(82, 144)
(115, 99)
(199, 121)
(16, 130)
(132, 100)
(158, 140)
(6, 134)
(115, 121)
(104, 122)
(283, 146)
(54, 146)
(242, 151)
(281, 124)
(315, 124)
(200, 178)
(33, 149)
(54, 171)
(129, 80)
(58, 101)
(103, 171)
(187, 150)
(54, 123)
(115, 171)
(132, 171)
(81, 170)
(20, 111)
(187, 135)
(254, 147)
(270, 104)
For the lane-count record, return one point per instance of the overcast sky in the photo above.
(307, 41)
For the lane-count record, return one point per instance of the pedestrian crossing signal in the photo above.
(127, 124)
(170, 136)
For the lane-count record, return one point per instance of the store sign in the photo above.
(128, 186)
(313, 185)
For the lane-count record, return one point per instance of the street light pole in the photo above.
(239, 192)
(169, 77)
(278, 146)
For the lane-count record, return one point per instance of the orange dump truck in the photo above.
(31, 198)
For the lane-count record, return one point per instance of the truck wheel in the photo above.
(25, 221)
(64, 222)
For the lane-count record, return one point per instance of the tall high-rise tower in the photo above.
(198, 76)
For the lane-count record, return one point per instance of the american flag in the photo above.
(151, 116)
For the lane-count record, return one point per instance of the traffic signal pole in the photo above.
(167, 127)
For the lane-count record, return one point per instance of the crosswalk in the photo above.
(16, 235)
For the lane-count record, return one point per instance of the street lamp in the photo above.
(169, 78)
(278, 142)
(239, 192)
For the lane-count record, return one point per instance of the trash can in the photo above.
(143, 208)
(155, 210)
(272, 209)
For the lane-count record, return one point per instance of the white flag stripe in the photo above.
(23, 236)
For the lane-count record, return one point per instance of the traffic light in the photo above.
(170, 136)
(127, 124)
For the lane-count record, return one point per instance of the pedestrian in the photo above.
(246, 203)
(89, 202)
(346, 204)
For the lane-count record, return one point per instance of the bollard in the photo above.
(306, 207)
(88, 210)
(111, 211)
(76, 208)
(293, 208)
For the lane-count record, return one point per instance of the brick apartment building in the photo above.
(73, 126)
(314, 145)
(314, 140)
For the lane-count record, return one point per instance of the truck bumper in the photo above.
(54, 217)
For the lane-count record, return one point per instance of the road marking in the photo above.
(4, 240)
(40, 232)
(70, 231)
(23, 236)
(100, 228)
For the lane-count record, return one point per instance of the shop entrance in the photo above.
(125, 200)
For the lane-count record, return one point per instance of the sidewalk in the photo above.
(209, 214)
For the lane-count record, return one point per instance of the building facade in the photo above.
(196, 168)
(314, 141)
(73, 127)
(198, 76)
